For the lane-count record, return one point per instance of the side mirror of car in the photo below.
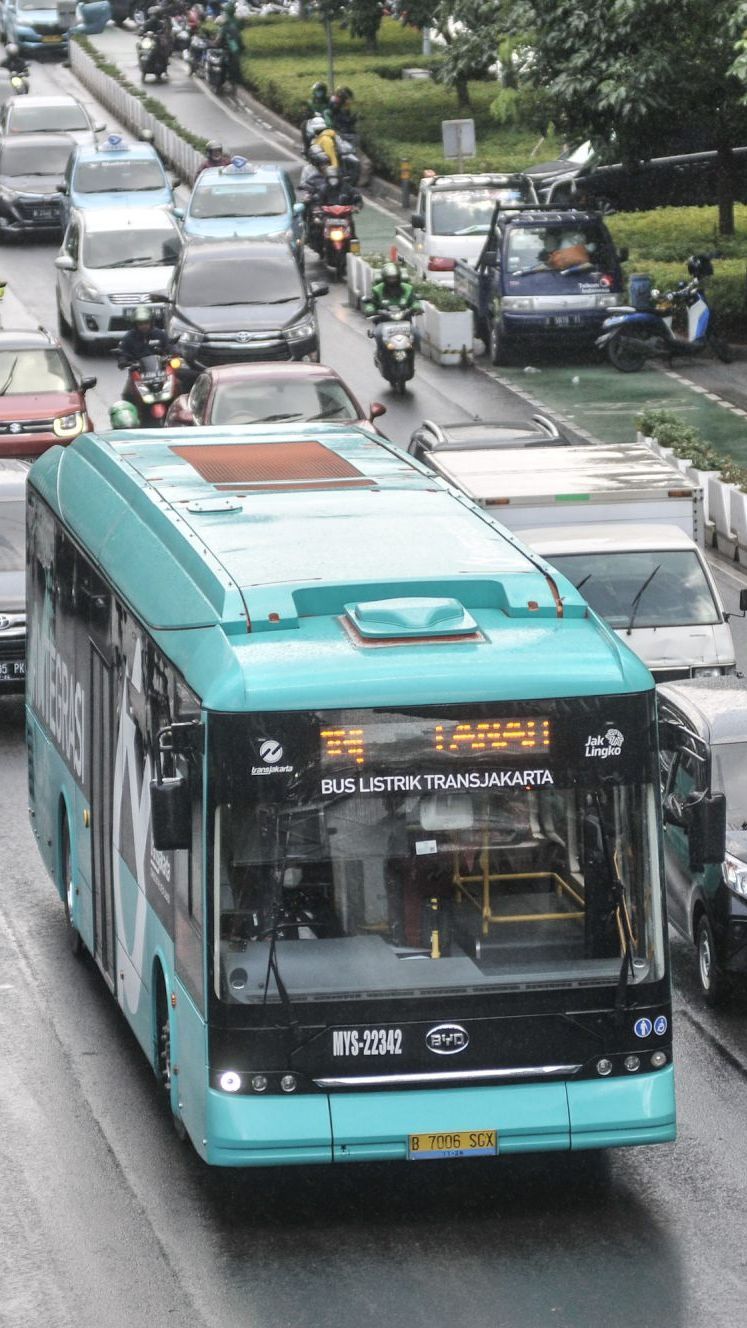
(65, 263)
(707, 830)
(298, 209)
(99, 127)
(376, 409)
(318, 288)
(174, 181)
(179, 213)
(417, 221)
(87, 383)
(171, 813)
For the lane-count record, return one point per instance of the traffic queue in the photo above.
(212, 317)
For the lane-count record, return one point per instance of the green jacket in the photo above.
(382, 298)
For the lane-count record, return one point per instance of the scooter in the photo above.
(154, 383)
(395, 347)
(197, 53)
(19, 82)
(337, 236)
(215, 68)
(152, 56)
(643, 331)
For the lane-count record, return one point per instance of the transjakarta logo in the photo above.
(605, 744)
(271, 753)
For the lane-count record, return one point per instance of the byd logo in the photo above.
(271, 751)
(447, 1039)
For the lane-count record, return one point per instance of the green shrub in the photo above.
(670, 430)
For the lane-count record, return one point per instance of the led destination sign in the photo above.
(368, 744)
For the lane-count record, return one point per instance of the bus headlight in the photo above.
(289, 1083)
(230, 1081)
(68, 426)
(658, 1059)
(604, 1067)
(259, 1083)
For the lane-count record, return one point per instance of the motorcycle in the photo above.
(152, 56)
(197, 53)
(19, 82)
(215, 68)
(337, 236)
(395, 347)
(180, 33)
(154, 383)
(643, 330)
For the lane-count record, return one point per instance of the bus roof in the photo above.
(281, 542)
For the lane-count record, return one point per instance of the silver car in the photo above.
(112, 260)
(12, 576)
(49, 115)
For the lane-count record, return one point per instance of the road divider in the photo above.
(142, 114)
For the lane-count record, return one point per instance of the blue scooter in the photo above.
(643, 330)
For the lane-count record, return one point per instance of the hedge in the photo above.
(398, 118)
(152, 105)
(670, 430)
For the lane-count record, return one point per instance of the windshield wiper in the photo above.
(583, 580)
(638, 597)
(9, 379)
(526, 271)
(627, 968)
(282, 835)
(143, 259)
(281, 415)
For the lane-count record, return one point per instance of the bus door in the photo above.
(101, 767)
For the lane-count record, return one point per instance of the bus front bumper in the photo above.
(375, 1126)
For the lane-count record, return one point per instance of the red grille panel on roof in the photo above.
(269, 465)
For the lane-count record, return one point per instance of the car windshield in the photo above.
(468, 211)
(26, 5)
(33, 371)
(391, 851)
(677, 593)
(220, 280)
(110, 175)
(230, 199)
(729, 776)
(268, 399)
(25, 119)
(19, 158)
(131, 248)
(577, 247)
(12, 534)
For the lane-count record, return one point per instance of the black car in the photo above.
(474, 435)
(31, 167)
(241, 300)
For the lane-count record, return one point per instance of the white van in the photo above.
(653, 586)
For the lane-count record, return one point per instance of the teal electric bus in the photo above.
(352, 799)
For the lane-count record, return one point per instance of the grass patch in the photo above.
(397, 117)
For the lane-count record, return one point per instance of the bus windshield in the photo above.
(386, 853)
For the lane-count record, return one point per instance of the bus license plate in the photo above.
(452, 1143)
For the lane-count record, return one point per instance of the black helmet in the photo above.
(214, 148)
(700, 265)
(319, 90)
(391, 275)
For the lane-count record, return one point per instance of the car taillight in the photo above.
(441, 264)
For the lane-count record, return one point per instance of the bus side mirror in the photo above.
(171, 813)
(707, 831)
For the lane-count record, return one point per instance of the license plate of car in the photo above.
(564, 320)
(12, 669)
(452, 1143)
(51, 39)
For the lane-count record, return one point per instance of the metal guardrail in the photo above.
(174, 149)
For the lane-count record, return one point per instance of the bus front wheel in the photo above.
(163, 1052)
(76, 942)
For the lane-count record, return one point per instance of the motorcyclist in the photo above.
(318, 101)
(391, 293)
(315, 125)
(14, 62)
(214, 156)
(340, 115)
(229, 41)
(336, 191)
(141, 339)
(157, 25)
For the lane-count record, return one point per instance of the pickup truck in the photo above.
(452, 218)
(543, 275)
(625, 528)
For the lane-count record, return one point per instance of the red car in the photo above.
(42, 398)
(262, 393)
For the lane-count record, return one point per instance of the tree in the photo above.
(471, 31)
(642, 74)
(365, 20)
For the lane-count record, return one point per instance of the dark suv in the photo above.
(243, 300)
(31, 166)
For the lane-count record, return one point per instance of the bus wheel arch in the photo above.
(65, 875)
(163, 1043)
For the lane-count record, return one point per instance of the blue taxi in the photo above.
(244, 199)
(115, 173)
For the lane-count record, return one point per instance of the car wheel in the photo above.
(63, 327)
(714, 984)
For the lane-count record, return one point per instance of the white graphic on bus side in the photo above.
(126, 768)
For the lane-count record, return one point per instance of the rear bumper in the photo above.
(369, 1127)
